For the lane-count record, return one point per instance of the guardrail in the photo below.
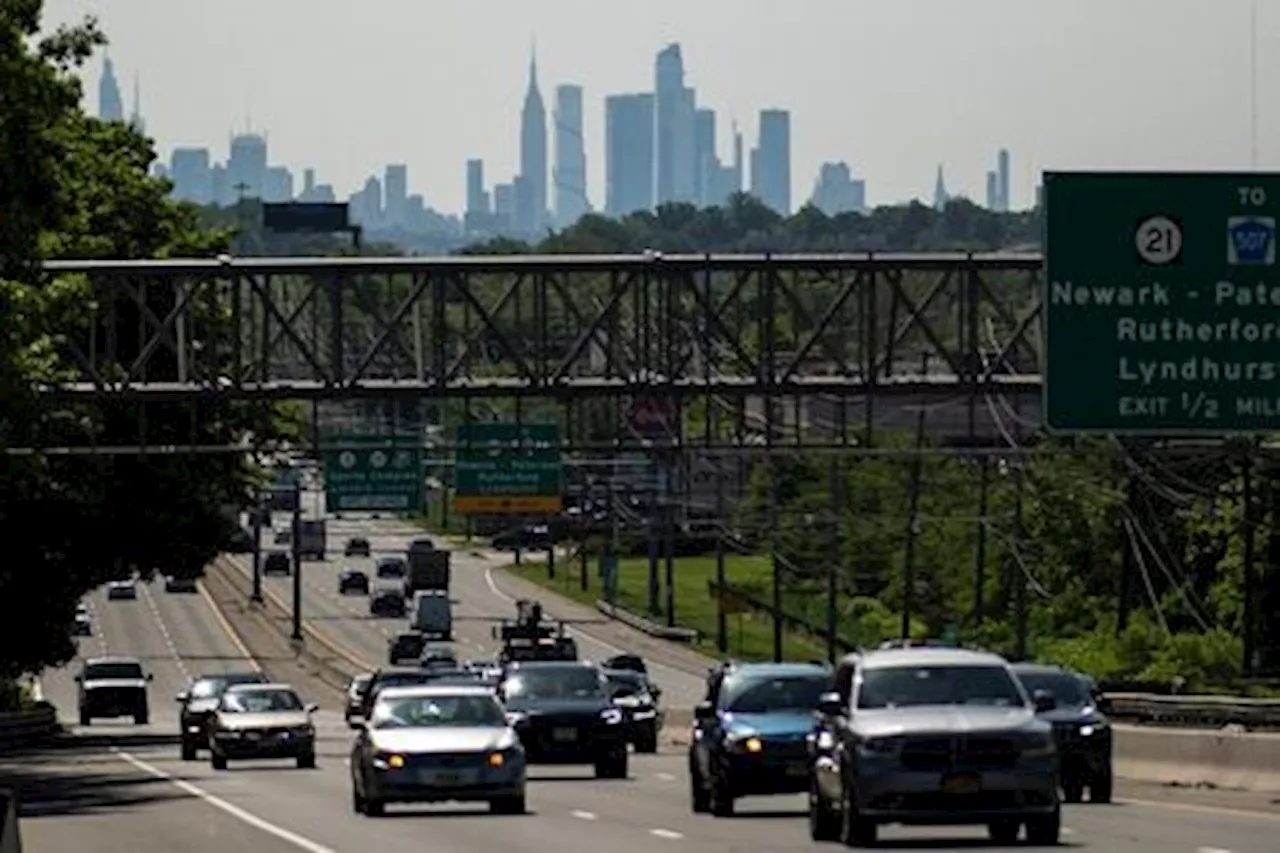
(21, 728)
(1194, 711)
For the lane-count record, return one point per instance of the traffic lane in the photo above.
(57, 684)
(348, 622)
(88, 800)
(475, 581)
(317, 804)
(661, 793)
(202, 642)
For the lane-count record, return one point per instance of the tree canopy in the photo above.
(72, 186)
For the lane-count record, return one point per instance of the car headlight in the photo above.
(304, 731)
(746, 742)
(1092, 729)
(612, 716)
(1035, 744)
(880, 747)
(388, 762)
(628, 702)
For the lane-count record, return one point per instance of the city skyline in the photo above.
(891, 114)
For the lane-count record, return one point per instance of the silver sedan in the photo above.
(434, 744)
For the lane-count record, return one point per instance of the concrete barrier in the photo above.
(10, 838)
(1223, 759)
(653, 629)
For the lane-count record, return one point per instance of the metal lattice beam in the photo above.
(559, 327)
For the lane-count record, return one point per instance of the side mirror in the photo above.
(312, 708)
(1102, 703)
(181, 697)
(830, 705)
(356, 724)
(704, 711)
(151, 676)
(79, 678)
(1044, 701)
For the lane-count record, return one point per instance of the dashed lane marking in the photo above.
(288, 836)
(1212, 850)
(583, 815)
(665, 777)
(164, 630)
(225, 625)
(669, 834)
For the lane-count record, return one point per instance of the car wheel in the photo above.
(721, 797)
(1045, 830)
(700, 800)
(307, 762)
(1004, 831)
(374, 808)
(613, 765)
(358, 804)
(188, 750)
(85, 718)
(854, 830)
(824, 823)
(219, 762)
(1072, 789)
(508, 805)
(141, 718)
(1100, 788)
(647, 742)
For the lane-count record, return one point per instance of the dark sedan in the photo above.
(198, 704)
(387, 604)
(357, 546)
(352, 582)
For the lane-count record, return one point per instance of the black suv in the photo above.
(277, 563)
(387, 603)
(353, 582)
(637, 698)
(750, 734)
(113, 687)
(563, 714)
(1080, 728)
(405, 648)
(199, 702)
(357, 546)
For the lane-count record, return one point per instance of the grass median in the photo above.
(750, 634)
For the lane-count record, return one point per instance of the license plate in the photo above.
(961, 784)
(564, 735)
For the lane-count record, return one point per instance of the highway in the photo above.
(120, 790)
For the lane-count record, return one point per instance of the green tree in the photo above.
(75, 187)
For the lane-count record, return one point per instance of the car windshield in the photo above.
(558, 683)
(626, 684)
(411, 641)
(261, 701)
(402, 679)
(207, 688)
(760, 694)
(391, 566)
(104, 671)
(437, 711)
(1066, 688)
(915, 686)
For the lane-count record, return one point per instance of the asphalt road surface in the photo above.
(120, 787)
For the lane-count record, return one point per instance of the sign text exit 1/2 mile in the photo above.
(1162, 311)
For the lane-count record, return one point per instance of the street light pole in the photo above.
(297, 561)
(256, 596)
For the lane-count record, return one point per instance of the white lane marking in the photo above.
(583, 815)
(225, 625)
(95, 625)
(1212, 850)
(164, 630)
(665, 777)
(669, 834)
(301, 842)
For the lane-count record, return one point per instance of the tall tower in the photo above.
(1002, 172)
(531, 193)
(940, 195)
(110, 105)
(570, 173)
(135, 120)
(674, 106)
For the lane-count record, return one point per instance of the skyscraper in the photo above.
(136, 121)
(1002, 168)
(773, 161)
(247, 166)
(395, 180)
(192, 175)
(672, 130)
(477, 200)
(531, 189)
(570, 174)
(629, 153)
(705, 162)
(110, 105)
(993, 192)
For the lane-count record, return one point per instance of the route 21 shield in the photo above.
(1251, 241)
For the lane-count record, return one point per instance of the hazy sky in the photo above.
(893, 87)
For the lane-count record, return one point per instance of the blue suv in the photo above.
(750, 733)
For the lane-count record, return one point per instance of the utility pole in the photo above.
(297, 561)
(256, 596)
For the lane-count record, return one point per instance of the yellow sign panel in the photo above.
(498, 505)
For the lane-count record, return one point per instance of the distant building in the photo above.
(940, 194)
(569, 175)
(993, 192)
(771, 161)
(629, 153)
(674, 106)
(110, 104)
(247, 165)
(1002, 169)
(837, 191)
(531, 188)
(396, 183)
(192, 175)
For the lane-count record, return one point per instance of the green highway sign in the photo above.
(508, 469)
(1162, 303)
(364, 473)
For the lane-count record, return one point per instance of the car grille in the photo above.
(459, 760)
(1065, 733)
(960, 753)
(115, 697)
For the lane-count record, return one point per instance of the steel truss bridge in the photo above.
(827, 343)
